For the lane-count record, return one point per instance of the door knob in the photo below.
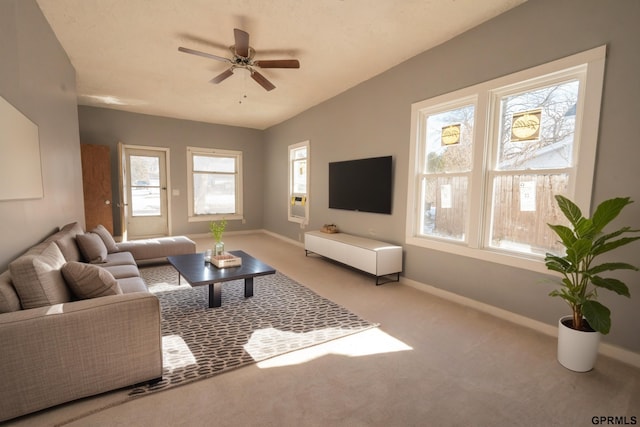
(107, 202)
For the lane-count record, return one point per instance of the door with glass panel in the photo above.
(145, 190)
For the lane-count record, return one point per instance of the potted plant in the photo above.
(216, 228)
(579, 334)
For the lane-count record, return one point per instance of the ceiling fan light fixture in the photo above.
(243, 55)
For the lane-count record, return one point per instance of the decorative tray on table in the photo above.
(226, 260)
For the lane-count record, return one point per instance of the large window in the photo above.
(487, 161)
(215, 184)
(299, 182)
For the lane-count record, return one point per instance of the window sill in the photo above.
(207, 218)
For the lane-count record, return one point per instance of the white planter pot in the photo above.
(577, 350)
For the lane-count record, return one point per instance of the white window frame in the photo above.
(237, 155)
(294, 196)
(590, 64)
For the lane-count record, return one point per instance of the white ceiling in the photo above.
(125, 52)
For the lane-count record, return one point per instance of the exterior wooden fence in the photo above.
(511, 223)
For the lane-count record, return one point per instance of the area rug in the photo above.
(199, 342)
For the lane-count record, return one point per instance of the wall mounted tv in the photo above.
(361, 185)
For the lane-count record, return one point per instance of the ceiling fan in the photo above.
(243, 58)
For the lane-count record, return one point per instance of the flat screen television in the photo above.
(361, 185)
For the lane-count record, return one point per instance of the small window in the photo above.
(215, 184)
(298, 210)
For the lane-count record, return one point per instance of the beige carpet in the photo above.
(431, 363)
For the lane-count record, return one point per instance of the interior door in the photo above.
(145, 192)
(96, 183)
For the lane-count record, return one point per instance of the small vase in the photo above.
(218, 248)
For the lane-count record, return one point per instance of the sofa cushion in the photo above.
(89, 281)
(107, 238)
(37, 278)
(132, 284)
(122, 271)
(92, 247)
(9, 300)
(66, 241)
(161, 247)
(119, 258)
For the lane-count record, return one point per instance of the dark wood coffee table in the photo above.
(193, 268)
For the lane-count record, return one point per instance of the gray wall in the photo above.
(374, 119)
(108, 127)
(37, 78)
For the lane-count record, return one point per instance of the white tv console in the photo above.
(372, 256)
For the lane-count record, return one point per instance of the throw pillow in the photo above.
(66, 241)
(107, 238)
(37, 278)
(89, 281)
(92, 247)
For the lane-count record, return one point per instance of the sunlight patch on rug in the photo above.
(176, 353)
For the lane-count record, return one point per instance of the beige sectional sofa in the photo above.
(70, 328)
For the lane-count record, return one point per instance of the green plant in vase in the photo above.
(216, 228)
(581, 276)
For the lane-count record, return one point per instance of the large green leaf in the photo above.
(598, 316)
(613, 245)
(565, 233)
(557, 263)
(611, 266)
(604, 238)
(585, 229)
(578, 251)
(569, 209)
(614, 285)
(608, 210)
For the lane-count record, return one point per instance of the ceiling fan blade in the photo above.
(222, 76)
(206, 55)
(242, 42)
(262, 80)
(278, 63)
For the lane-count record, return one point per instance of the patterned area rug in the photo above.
(199, 342)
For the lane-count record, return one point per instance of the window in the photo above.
(215, 184)
(299, 183)
(145, 185)
(487, 161)
(446, 170)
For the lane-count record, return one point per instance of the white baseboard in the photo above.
(286, 239)
(609, 350)
(226, 233)
(254, 231)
